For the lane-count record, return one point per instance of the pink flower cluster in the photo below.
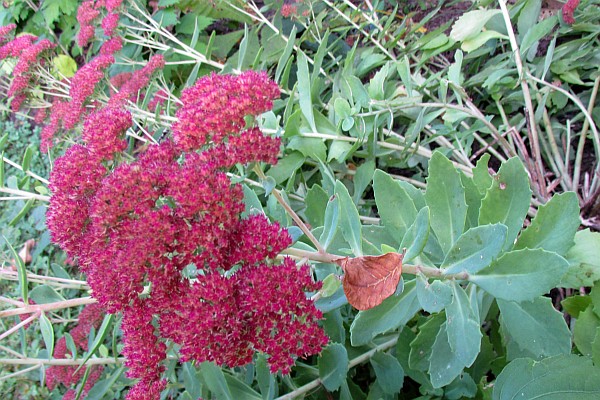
(163, 241)
(89, 11)
(90, 316)
(216, 105)
(27, 49)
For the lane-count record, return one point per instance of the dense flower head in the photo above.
(164, 239)
(104, 131)
(215, 107)
(22, 72)
(86, 14)
(83, 86)
(109, 24)
(74, 180)
(14, 47)
(111, 46)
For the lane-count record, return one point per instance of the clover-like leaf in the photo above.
(369, 280)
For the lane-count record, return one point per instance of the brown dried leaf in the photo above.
(24, 254)
(369, 280)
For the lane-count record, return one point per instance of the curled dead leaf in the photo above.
(368, 280)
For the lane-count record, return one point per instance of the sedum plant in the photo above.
(224, 235)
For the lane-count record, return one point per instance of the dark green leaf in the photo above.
(362, 179)
(239, 390)
(521, 275)
(286, 167)
(316, 201)
(575, 304)
(333, 366)
(102, 331)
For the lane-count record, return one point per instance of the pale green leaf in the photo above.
(507, 200)
(421, 345)
(444, 366)
(475, 249)
(563, 377)
(433, 297)
(396, 209)
(536, 326)
(464, 334)
(471, 23)
(304, 92)
(521, 275)
(584, 332)
(445, 197)
(554, 226)
(584, 260)
(416, 238)
(215, 380)
(389, 315)
(333, 366)
(349, 219)
(473, 43)
(389, 372)
(47, 334)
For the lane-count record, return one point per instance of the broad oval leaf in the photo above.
(471, 23)
(554, 226)
(389, 372)
(464, 334)
(563, 377)
(507, 200)
(394, 205)
(444, 366)
(536, 326)
(333, 366)
(349, 219)
(416, 237)
(445, 196)
(522, 275)
(369, 280)
(475, 249)
(433, 297)
(389, 315)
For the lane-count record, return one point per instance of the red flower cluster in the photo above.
(216, 105)
(90, 316)
(27, 50)
(162, 239)
(137, 81)
(568, 11)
